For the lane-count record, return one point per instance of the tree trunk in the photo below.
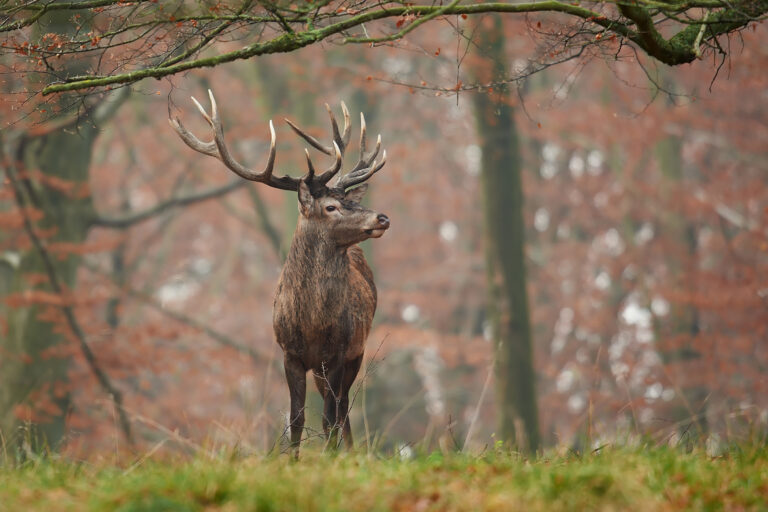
(683, 319)
(36, 355)
(505, 241)
(37, 347)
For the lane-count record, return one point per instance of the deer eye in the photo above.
(330, 208)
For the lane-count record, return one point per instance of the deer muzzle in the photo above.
(382, 224)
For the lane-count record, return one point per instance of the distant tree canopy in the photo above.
(125, 41)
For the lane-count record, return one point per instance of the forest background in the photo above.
(137, 276)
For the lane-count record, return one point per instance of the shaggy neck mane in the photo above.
(314, 254)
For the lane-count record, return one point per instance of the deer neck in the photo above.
(313, 253)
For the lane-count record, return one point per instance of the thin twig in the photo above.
(476, 414)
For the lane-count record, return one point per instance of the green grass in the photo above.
(643, 478)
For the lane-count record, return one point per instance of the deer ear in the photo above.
(356, 194)
(305, 197)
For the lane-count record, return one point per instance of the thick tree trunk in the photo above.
(36, 349)
(683, 320)
(505, 241)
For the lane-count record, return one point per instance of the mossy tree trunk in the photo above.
(682, 323)
(37, 347)
(505, 244)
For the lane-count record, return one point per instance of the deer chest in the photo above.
(322, 322)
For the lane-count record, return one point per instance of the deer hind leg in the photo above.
(321, 382)
(330, 384)
(351, 368)
(296, 375)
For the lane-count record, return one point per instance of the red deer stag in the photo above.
(325, 297)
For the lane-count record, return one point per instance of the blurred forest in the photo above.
(645, 214)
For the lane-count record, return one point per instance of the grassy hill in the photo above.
(641, 478)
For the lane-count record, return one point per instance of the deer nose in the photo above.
(383, 220)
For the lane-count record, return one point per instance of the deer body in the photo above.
(322, 314)
(326, 297)
(324, 304)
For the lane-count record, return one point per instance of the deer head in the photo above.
(333, 211)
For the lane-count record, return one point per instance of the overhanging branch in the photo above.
(289, 42)
(301, 27)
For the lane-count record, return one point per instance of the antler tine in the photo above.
(366, 166)
(335, 128)
(224, 154)
(202, 110)
(363, 137)
(365, 161)
(310, 139)
(333, 169)
(266, 176)
(361, 175)
(272, 151)
(340, 138)
(310, 167)
(347, 126)
(218, 148)
(207, 148)
(375, 151)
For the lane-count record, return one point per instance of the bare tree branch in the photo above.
(176, 202)
(219, 337)
(285, 28)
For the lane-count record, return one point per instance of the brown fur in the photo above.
(325, 298)
(324, 305)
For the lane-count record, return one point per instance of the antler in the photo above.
(365, 167)
(341, 140)
(218, 148)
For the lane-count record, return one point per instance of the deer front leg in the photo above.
(296, 375)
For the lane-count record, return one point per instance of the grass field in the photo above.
(616, 479)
